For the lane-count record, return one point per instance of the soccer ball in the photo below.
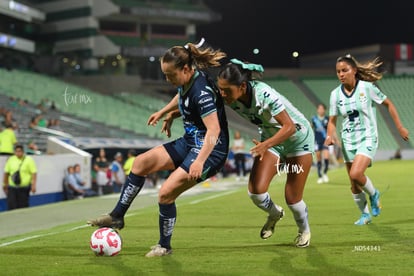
(106, 241)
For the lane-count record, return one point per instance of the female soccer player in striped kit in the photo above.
(354, 99)
(286, 145)
(198, 155)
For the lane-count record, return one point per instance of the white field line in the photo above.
(86, 225)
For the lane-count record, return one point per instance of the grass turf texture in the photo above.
(218, 234)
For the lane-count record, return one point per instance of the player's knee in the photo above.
(356, 176)
(165, 198)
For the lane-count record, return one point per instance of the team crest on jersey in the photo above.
(362, 97)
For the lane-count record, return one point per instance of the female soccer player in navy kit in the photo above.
(198, 155)
(320, 124)
(286, 145)
(354, 99)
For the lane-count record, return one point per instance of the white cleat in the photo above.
(158, 251)
(269, 227)
(325, 178)
(303, 239)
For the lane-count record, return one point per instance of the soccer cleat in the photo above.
(107, 221)
(325, 178)
(375, 203)
(269, 227)
(320, 180)
(303, 239)
(364, 219)
(158, 251)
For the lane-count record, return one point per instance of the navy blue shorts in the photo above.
(319, 145)
(183, 155)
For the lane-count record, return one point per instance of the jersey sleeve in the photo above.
(333, 109)
(269, 100)
(376, 94)
(205, 101)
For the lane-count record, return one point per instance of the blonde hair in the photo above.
(367, 71)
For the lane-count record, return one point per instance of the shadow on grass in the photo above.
(316, 264)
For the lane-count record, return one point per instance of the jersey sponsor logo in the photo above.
(352, 114)
(186, 102)
(204, 100)
(207, 105)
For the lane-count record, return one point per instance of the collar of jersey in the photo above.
(353, 91)
(190, 83)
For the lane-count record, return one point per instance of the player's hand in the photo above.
(404, 133)
(329, 141)
(196, 170)
(166, 125)
(154, 118)
(259, 150)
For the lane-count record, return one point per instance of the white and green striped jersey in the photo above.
(359, 125)
(267, 103)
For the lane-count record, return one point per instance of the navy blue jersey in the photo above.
(320, 126)
(199, 100)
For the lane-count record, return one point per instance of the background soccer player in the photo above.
(354, 99)
(320, 125)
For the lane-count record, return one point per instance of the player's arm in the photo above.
(155, 117)
(394, 115)
(211, 137)
(288, 129)
(6, 182)
(331, 137)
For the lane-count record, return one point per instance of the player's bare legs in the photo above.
(261, 175)
(361, 185)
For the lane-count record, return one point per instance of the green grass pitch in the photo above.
(218, 234)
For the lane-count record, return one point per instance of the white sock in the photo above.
(300, 213)
(264, 202)
(361, 202)
(368, 187)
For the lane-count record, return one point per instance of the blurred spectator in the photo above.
(101, 168)
(18, 193)
(130, 160)
(7, 140)
(41, 121)
(54, 124)
(78, 176)
(117, 173)
(34, 122)
(72, 189)
(238, 149)
(33, 149)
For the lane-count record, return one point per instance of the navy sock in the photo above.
(129, 192)
(319, 166)
(168, 214)
(326, 166)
